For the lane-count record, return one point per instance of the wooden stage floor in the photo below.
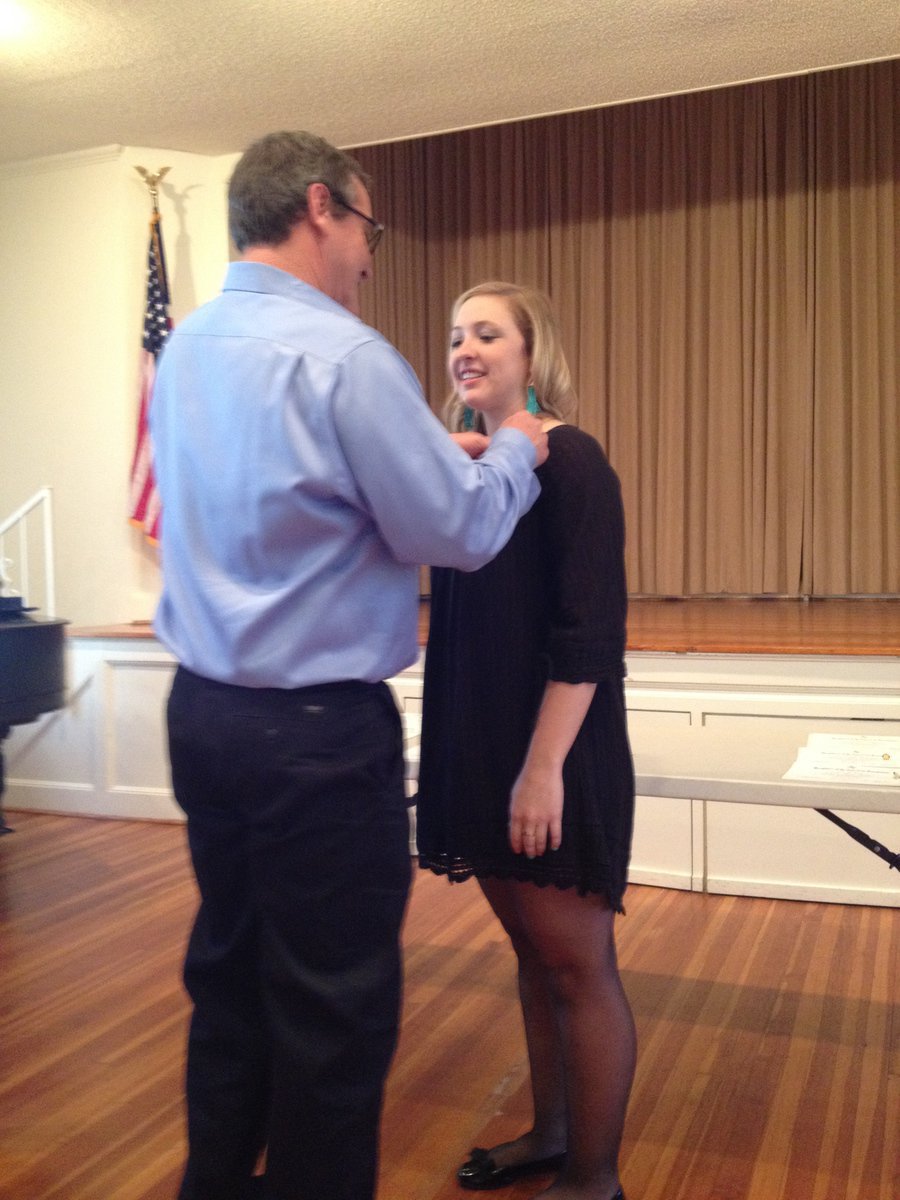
(762, 626)
(757, 625)
(727, 625)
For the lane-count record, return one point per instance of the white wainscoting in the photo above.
(770, 703)
(104, 755)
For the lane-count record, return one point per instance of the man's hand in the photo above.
(533, 430)
(473, 443)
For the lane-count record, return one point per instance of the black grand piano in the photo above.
(32, 671)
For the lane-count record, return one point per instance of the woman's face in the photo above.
(488, 362)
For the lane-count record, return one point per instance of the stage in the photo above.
(721, 694)
(757, 625)
(712, 625)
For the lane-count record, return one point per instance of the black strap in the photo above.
(892, 860)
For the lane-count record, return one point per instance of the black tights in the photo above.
(579, 1031)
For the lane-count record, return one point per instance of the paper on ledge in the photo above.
(848, 758)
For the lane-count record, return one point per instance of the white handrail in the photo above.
(23, 510)
(42, 499)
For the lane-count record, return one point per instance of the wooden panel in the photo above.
(137, 758)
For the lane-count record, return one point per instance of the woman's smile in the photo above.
(488, 362)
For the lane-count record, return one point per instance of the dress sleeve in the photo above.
(584, 533)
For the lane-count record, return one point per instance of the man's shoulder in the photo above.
(267, 305)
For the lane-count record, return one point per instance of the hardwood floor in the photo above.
(769, 1063)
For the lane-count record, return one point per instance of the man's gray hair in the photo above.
(267, 191)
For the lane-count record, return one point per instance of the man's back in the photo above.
(267, 545)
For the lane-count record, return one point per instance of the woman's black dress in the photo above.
(551, 605)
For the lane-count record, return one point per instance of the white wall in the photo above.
(73, 243)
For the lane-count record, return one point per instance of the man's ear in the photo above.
(318, 203)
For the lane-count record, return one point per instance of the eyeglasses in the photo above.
(373, 234)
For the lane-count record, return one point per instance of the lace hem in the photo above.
(459, 870)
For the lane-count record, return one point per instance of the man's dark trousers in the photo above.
(299, 837)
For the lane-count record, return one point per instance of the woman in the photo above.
(524, 671)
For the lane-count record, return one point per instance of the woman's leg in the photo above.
(568, 940)
(548, 1135)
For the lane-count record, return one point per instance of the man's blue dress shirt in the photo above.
(303, 480)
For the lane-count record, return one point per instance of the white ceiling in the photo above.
(208, 76)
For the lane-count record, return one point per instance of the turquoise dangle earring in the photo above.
(532, 405)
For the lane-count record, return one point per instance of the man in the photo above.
(303, 478)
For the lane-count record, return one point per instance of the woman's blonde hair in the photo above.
(535, 320)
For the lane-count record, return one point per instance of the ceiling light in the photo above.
(15, 20)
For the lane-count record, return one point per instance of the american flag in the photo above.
(144, 504)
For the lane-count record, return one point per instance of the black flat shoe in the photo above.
(481, 1173)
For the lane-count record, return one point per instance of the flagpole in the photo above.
(152, 181)
(144, 506)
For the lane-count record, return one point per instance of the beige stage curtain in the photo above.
(724, 267)
(855, 542)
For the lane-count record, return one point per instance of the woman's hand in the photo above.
(473, 443)
(536, 802)
(535, 811)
